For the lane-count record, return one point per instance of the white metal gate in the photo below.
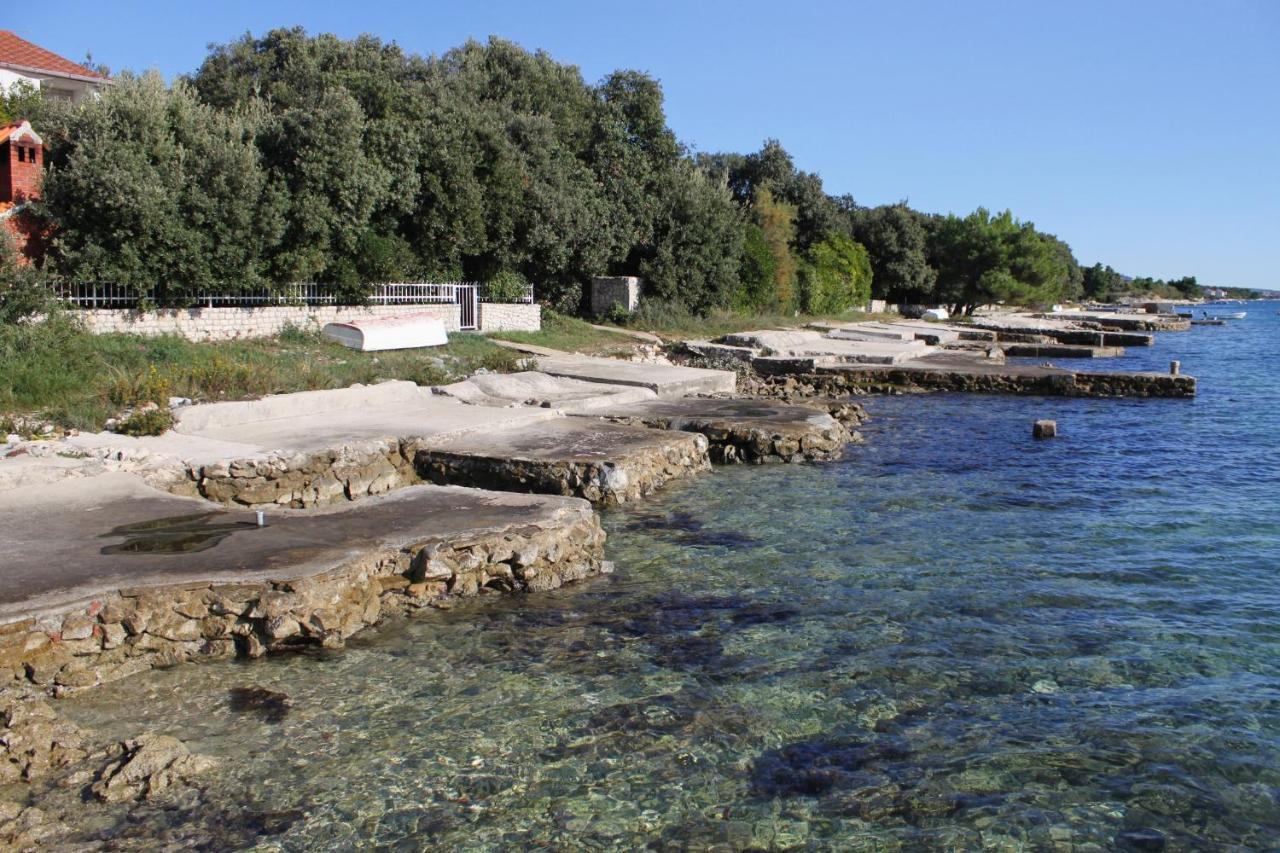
(468, 298)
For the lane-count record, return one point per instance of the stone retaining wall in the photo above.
(135, 630)
(221, 324)
(510, 317)
(303, 480)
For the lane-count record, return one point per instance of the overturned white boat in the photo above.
(400, 331)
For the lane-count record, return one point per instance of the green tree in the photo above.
(896, 239)
(772, 168)
(984, 259)
(756, 271)
(1101, 283)
(777, 222)
(697, 245)
(835, 276)
(20, 101)
(148, 186)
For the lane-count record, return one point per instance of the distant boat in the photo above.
(1231, 315)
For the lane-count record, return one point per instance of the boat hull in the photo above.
(402, 331)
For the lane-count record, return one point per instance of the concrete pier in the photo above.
(107, 577)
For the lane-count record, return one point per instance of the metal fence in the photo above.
(107, 295)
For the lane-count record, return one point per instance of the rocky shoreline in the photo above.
(122, 634)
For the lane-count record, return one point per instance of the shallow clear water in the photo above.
(958, 636)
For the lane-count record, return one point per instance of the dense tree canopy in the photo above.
(897, 239)
(290, 157)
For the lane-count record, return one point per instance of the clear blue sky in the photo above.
(1146, 134)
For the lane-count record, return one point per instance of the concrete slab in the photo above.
(315, 420)
(871, 332)
(812, 344)
(531, 388)
(778, 340)
(78, 540)
(862, 352)
(667, 381)
(930, 333)
(601, 461)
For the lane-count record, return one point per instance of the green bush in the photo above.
(135, 389)
(660, 314)
(506, 286)
(146, 422)
(835, 276)
(293, 334)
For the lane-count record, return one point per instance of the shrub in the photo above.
(836, 276)
(24, 290)
(506, 286)
(293, 334)
(151, 421)
(135, 389)
(659, 314)
(501, 361)
(222, 378)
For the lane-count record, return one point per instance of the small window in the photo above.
(22, 154)
(31, 155)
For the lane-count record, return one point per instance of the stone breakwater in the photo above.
(846, 381)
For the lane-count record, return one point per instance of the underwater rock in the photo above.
(151, 766)
(1140, 839)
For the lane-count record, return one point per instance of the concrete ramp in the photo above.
(930, 333)
(665, 380)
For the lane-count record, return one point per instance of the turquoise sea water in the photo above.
(958, 637)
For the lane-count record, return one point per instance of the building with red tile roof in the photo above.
(55, 76)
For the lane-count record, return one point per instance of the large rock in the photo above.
(151, 766)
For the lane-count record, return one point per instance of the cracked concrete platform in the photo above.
(53, 538)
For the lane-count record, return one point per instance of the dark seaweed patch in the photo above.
(815, 767)
(718, 539)
(676, 520)
(272, 705)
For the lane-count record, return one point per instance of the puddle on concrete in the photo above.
(177, 534)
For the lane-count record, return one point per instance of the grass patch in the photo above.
(570, 334)
(56, 370)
